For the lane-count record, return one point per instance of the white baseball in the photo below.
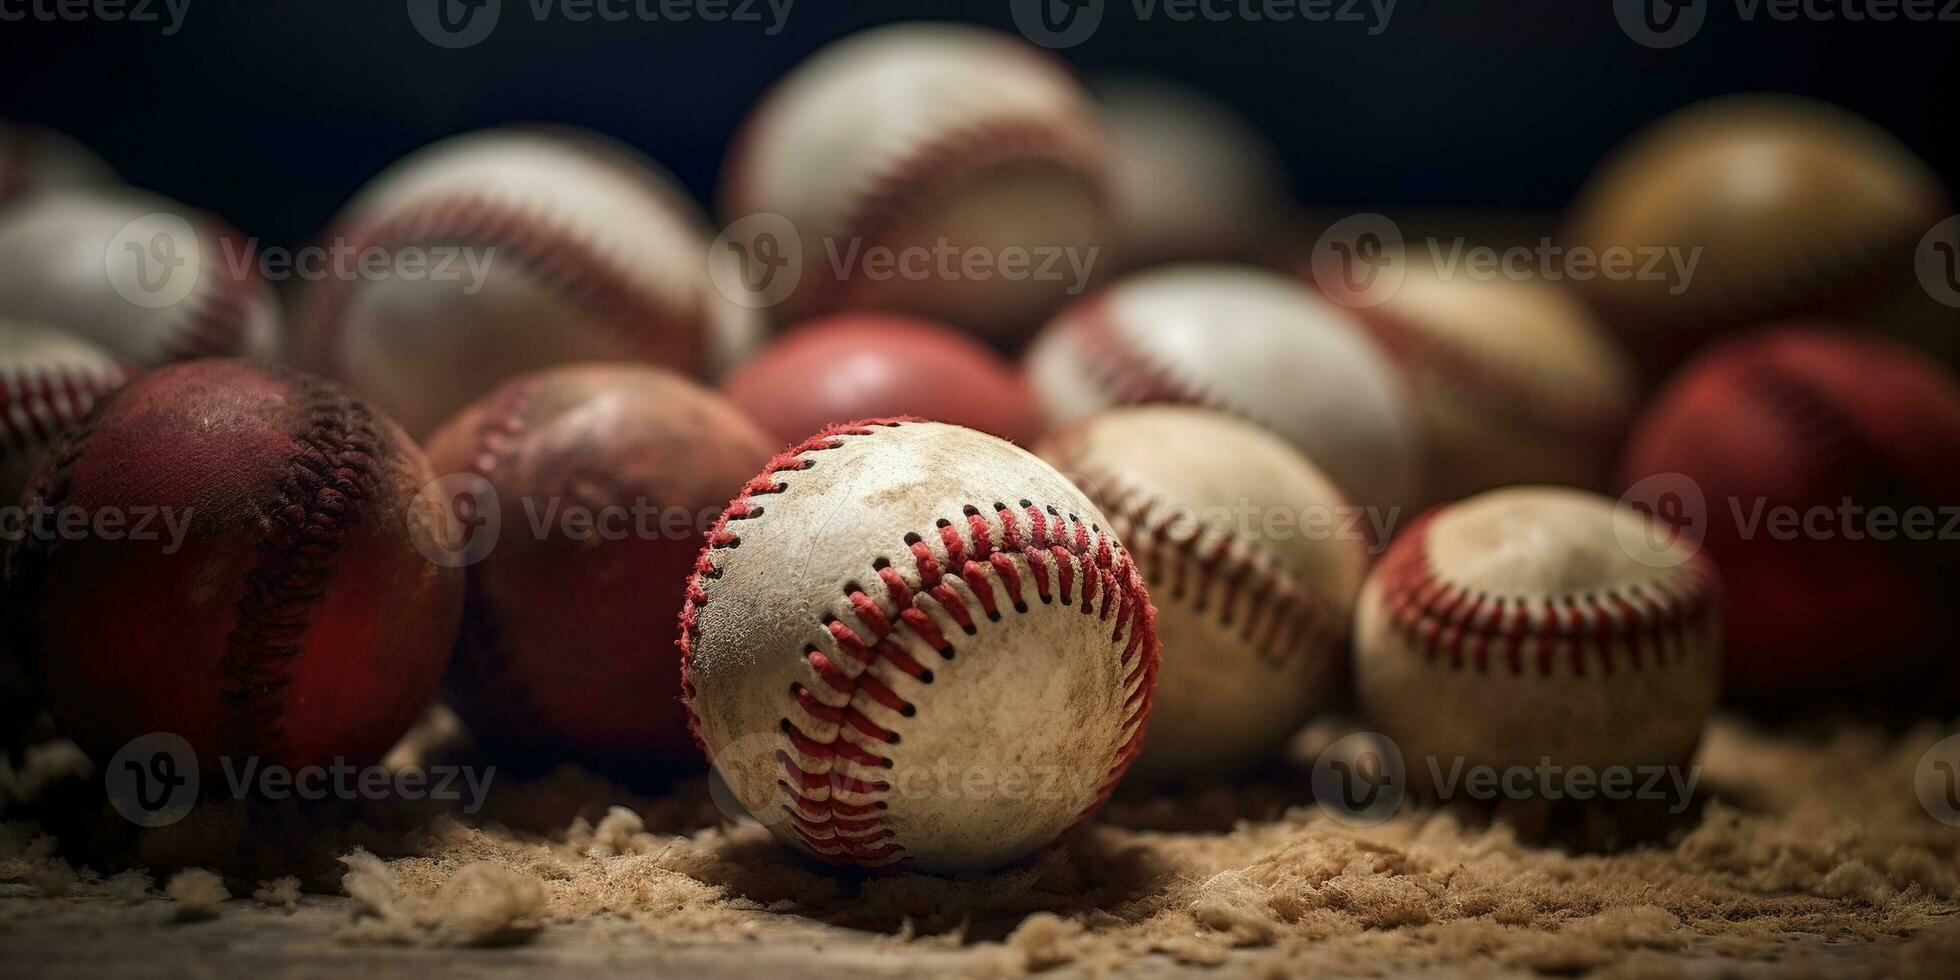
(918, 138)
(1192, 180)
(145, 277)
(1247, 341)
(1513, 380)
(48, 379)
(582, 250)
(913, 644)
(35, 159)
(1539, 622)
(1252, 568)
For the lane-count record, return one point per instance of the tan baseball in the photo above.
(48, 379)
(913, 644)
(589, 252)
(1251, 565)
(1513, 380)
(1247, 341)
(1539, 622)
(910, 136)
(146, 278)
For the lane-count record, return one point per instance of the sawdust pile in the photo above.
(1805, 853)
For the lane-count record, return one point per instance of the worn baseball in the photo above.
(222, 551)
(1253, 565)
(910, 644)
(48, 379)
(35, 159)
(1247, 341)
(602, 481)
(872, 365)
(148, 279)
(1191, 179)
(1539, 623)
(935, 169)
(1826, 468)
(1784, 206)
(1513, 380)
(539, 247)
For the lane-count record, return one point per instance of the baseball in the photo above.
(48, 380)
(963, 158)
(1512, 380)
(1536, 623)
(246, 577)
(1828, 467)
(1747, 208)
(874, 365)
(148, 279)
(1190, 179)
(544, 246)
(912, 644)
(1254, 577)
(35, 159)
(1249, 342)
(628, 466)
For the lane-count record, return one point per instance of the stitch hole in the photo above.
(925, 676)
(891, 739)
(1026, 503)
(881, 564)
(942, 522)
(1053, 512)
(912, 537)
(882, 805)
(993, 617)
(946, 652)
(1020, 605)
(853, 588)
(969, 510)
(884, 763)
(998, 507)
(908, 711)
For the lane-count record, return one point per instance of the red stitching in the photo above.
(557, 256)
(215, 320)
(1276, 614)
(37, 402)
(1464, 627)
(834, 786)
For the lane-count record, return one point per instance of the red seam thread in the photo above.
(214, 321)
(558, 258)
(1462, 627)
(843, 831)
(38, 401)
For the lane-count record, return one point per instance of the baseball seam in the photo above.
(309, 515)
(37, 402)
(1458, 626)
(215, 319)
(554, 253)
(1236, 584)
(929, 169)
(1123, 371)
(833, 781)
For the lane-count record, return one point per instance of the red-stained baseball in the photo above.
(873, 365)
(1824, 461)
(222, 551)
(601, 481)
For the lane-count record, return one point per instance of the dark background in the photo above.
(273, 112)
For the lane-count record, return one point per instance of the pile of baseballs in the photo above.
(931, 569)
